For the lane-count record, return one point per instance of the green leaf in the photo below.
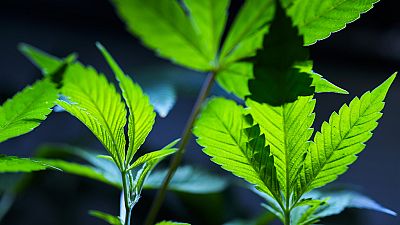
(163, 26)
(138, 179)
(160, 154)
(247, 31)
(141, 113)
(287, 130)
(236, 144)
(318, 19)
(321, 84)
(96, 103)
(188, 179)
(171, 223)
(50, 66)
(156, 155)
(234, 78)
(13, 164)
(27, 109)
(276, 80)
(113, 220)
(209, 19)
(335, 147)
(47, 63)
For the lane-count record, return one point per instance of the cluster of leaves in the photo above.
(192, 32)
(269, 146)
(87, 95)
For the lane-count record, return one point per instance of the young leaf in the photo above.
(113, 220)
(13, 164)
(335, 147)
(318, 19)
(163, 26)
(138, 179)
(96, 103)
(223, 136)
(287, 130)
(141, 113)
(276, 80)
(209, 17)
(160, 154)
(27, 109)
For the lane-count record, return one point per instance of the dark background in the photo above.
(357, 58)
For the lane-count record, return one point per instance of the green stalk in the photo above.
(287, 217)
(186, 135)
(128, 207)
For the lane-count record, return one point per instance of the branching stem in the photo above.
(186, 135)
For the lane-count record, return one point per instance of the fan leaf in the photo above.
(236, 144)
(141, 113)
(287, 130)
(335, 147)
(95, 102)
(163, 26)
(209, 18)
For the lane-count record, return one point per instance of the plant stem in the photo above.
(186, 135)
(287, 217)
(128, 207)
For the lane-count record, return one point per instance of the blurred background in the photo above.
(357, 58)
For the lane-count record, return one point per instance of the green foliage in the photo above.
(316, 20)
(336, 145)
(27, 109)
(48, 64)
(141, 113)
(179, 40)
(278, 140)
(96, 103)
(12, 164)
(287, 131)
(113, 220)
(194, 39)
(20, 115)
(276, 81)
(222, 133)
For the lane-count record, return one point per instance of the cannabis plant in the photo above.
(269, 146)
(267, 138)
(95, 102)
(261, 59)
